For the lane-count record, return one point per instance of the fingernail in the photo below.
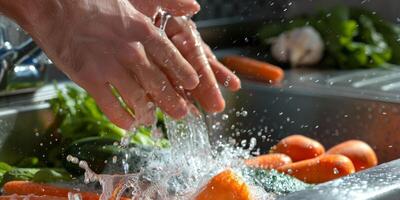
(192, 82)
(181, 111)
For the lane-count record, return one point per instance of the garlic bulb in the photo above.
(300, 46)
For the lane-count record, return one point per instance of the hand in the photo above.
(101, 43)
(184, 35)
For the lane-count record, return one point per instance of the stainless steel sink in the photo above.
(316, 104)
(331, 107)
(323, 105)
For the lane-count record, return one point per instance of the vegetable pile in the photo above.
(81, 130)
(353, 38)
(306, 159)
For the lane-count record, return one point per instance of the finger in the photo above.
(164, 54)
(222, 73)
(180, 7)
(156, 84)
(136, 98)
(109, 104)
(208, 94)
(93, 78)
(179, 26)
(187, 40)
(173, 7)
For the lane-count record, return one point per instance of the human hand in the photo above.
(102, 42)
(183, 33)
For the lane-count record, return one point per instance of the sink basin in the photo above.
(308, 103)
(329, 113)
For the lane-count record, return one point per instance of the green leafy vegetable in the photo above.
(79, 117)
(354, 38)
(4, 168)
(41, 175)
(20, 174)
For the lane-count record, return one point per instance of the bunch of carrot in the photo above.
(307, 160)
(298, 156)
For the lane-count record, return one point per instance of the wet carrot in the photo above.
(253, 68)
(269, 161)
(31, 197)
(225, 186)
(30, 188)
(359, 152)
(27, 188)
(321, 169)
(299, 147)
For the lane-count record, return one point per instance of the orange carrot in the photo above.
(359, 152)
(30, 188)
(27, 188)
(225, 186)
(253, 68)
(31, 197)
(269, 161)
(321, 169)
(299, 147)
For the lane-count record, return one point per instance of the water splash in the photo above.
(177, 173)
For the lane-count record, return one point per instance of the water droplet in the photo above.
(237, 114)
(335, 170)
(243, 143)
(227, 81)
(253, 143)
(150, 105)
(225, 117)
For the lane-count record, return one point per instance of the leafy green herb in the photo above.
(4, 168)
(80, 117)
(19, 174)
(41, 175)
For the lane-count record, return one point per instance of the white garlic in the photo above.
(300, 46)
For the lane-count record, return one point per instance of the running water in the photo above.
(177, 173)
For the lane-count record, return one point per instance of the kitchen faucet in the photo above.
(22, 66)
